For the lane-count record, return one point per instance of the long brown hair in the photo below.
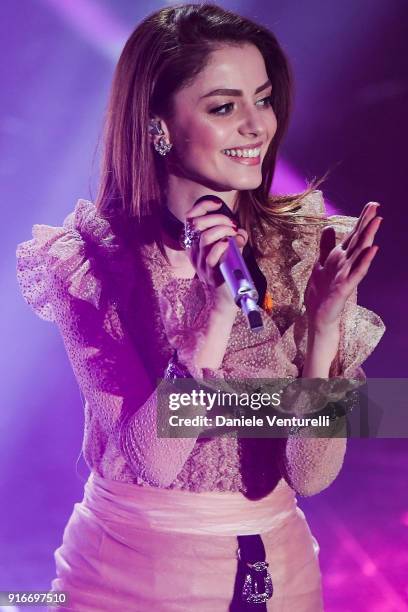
(163, 54)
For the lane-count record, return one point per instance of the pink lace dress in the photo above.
(121, 311)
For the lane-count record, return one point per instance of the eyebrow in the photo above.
(235, 92)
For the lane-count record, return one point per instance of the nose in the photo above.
(251, 122)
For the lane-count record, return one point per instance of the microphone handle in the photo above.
(239, 281)
(236, 274)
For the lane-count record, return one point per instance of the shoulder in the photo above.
(293, 239)
(314, 211)
(307, 222)
(312, 203)
(302, 227)
(76, 254)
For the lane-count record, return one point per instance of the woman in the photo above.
(199, 105)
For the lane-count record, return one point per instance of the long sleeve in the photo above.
(310, 463)
(117, 388)
(60, 272)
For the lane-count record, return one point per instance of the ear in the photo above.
(157, 129)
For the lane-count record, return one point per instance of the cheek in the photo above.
(213, 135)
(202, 136)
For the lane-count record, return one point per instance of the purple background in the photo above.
(350, 65)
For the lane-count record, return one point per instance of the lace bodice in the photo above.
(121, 312)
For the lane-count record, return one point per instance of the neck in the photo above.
(183, 192)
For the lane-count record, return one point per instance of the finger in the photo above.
(362, 220)
(203, 222)
(202, 208)
(365, 239)
(221, 246)
(213, 234)
(327, 243)
(241, 238)
(214, 254)
(369, 212)
(361, 265)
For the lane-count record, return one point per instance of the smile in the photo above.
(255, 152)
(248, 156)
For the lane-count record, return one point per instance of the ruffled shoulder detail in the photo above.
(72, 253)
(312, 204)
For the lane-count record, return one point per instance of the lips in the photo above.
(246, 161)
(248, 155)
(253, 145)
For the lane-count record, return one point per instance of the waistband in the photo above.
(208, 513)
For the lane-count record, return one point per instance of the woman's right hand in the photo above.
(205, 254)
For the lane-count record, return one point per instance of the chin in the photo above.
(247, 183)
(241, 182)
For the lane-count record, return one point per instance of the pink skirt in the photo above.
(133, 548)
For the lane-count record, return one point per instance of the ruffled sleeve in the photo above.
(311, 464)
(72, 253)
(66, 275)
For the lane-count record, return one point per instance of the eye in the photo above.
(217, 111)
(267, 102)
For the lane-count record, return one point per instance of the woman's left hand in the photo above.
(340, 269)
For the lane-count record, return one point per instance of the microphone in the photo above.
(236, 274)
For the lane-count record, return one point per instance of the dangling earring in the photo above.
(161, 146)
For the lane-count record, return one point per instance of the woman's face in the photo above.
(223, 122)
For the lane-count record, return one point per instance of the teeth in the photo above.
(242, 152)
